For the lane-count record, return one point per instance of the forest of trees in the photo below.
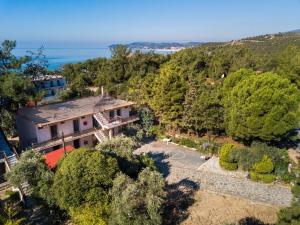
(203, 89)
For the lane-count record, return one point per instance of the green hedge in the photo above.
(264, 166)
(228, 165)
(227, 153)
(267, 178)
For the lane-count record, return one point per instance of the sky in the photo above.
(99, 22)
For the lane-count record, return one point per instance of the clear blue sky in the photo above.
(114, 21)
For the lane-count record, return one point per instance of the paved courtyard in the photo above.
(179, 163)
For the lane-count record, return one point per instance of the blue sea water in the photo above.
(57, 57)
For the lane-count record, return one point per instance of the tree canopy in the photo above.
(260, 106)
(84, 176)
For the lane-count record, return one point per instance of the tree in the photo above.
(169, 89)
(121, 148)
(37, 65)
(261, 106)
(203, 111)
(31, 168)
(289, 64)
(137, 202)
(84, 176)
(15, 91)
(87, 214)
(8, 61)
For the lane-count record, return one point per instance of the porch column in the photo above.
(110, 134)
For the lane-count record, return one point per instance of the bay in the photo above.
(57, 57)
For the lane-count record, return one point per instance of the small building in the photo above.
(51, 85)
(79, 123)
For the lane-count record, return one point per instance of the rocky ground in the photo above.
(178, 163)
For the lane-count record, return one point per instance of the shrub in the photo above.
(228, 153)
(264, 166)
(188, 143)
(289, 215)
(267, 178)
(228, 165)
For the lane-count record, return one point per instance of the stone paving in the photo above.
(178, 163)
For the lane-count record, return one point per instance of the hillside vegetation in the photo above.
(186, 90)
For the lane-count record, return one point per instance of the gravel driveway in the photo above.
(178, 163)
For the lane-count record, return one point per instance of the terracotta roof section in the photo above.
(53, 113)
(52, 158)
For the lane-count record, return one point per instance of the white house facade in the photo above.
(79, 123)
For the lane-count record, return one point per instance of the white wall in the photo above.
(66, 127)
(43, 134)
(26, 130)
(89, 120)
(124, 112)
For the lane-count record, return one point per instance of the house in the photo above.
(51, 85)
(80, 123)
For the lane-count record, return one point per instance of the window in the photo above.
(111, 114)
(85, 142)
(119, 112)
(85, 123)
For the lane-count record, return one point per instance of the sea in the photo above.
(57, 57)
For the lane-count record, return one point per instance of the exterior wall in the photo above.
(43, 134)
(125, 112)
(66, 127)
(26, 130)
(89, 120)
(51, 87)
(87, 142)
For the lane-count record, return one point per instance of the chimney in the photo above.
(102, 90)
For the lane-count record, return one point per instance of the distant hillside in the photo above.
(294, 31)
(264, 44)
(165, 45)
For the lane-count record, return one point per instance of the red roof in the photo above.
(53, 157)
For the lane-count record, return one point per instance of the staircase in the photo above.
(101, 119)
(100, 135)
(11, 162)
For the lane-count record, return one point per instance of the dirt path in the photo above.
(215, 209)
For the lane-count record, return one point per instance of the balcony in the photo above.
(109, 123)
(58, 141)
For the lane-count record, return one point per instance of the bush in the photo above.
(290, 215)
(228, 165)
(228, 153)
(188, 143)
(267, 178)
(264, 166)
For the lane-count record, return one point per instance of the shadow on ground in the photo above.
(251, 221)
(180, 197)
(161, 163)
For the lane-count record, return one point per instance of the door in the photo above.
(76, 126)
(111, 114)
(76, 143)
(119, 112)
(54, 133)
